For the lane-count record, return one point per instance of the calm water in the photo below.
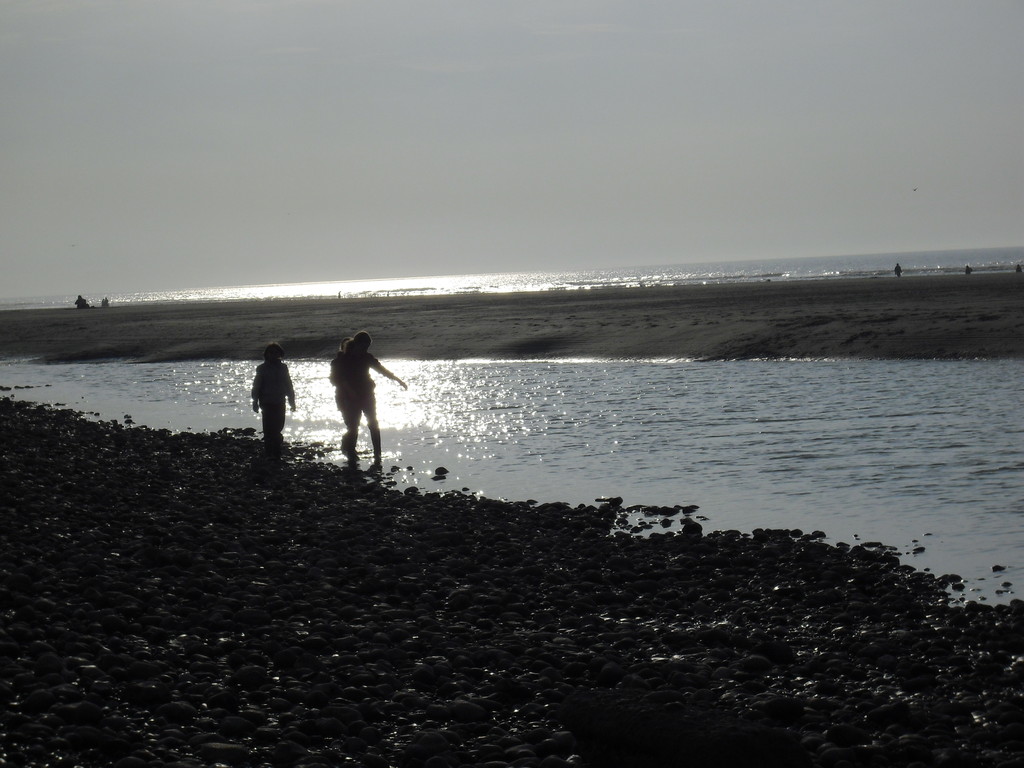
(927, 457)
(824, 267)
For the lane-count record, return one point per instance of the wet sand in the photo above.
(934, 317)
(176, 600)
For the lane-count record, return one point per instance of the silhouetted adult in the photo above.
(898, 270)
(354, 392)
(81, 303)
(270, 389)
(968, 270)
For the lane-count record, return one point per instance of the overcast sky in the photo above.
(160, 144)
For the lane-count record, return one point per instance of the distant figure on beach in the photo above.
(105, 302)
(898, 270)
(270, 389)
(354, 392)
(1019, 270)
(81, 303)
(968, 270)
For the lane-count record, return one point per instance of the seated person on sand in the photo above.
(81, 303)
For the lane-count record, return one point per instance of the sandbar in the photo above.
(920, 317)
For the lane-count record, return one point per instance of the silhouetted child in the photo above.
(354, 392)
(270, 389)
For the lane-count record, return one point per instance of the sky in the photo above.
(171, 144)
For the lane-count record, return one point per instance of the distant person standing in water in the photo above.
(898, 270)
(270, 389)
(354, 392)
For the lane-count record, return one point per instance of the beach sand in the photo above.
(175, 600)
(933, 317)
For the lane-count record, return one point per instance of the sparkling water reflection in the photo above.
(823, 267)
(913, 454)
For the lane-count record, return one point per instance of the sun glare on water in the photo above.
(443, 400)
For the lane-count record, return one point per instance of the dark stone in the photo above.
(692, 528)
(468, 712)
(610, 674)
(148, 693)
(177, 711)
(250, 677)
(784, 709)
(619, 729)
(39, 701)
(236, 726)
(755, 664)
(49, 662)
(252, 616)
(87, 736)
(228, 754)
(776, 651)
(222, 698)
(287, 752)
(889, 714)
(83, 712)
(845, 735)
(143, 670)
(329, 726)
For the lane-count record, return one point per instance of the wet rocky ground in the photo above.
(174, 600)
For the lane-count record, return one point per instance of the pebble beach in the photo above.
(176, 600)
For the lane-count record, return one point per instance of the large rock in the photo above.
(633, 729)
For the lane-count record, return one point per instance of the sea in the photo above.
(922, 458)
(807, 268)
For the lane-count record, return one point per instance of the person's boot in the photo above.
(375, 439)
(348, 447)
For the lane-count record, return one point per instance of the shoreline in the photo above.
(159, 610)
(927, 317)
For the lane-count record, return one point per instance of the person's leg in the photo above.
(350, 414)
(375, 439)
(374, 427)
(268, 426)
(273, 426)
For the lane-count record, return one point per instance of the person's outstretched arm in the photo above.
(290, 391)
(385, 372)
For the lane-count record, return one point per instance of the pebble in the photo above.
(169, 599)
